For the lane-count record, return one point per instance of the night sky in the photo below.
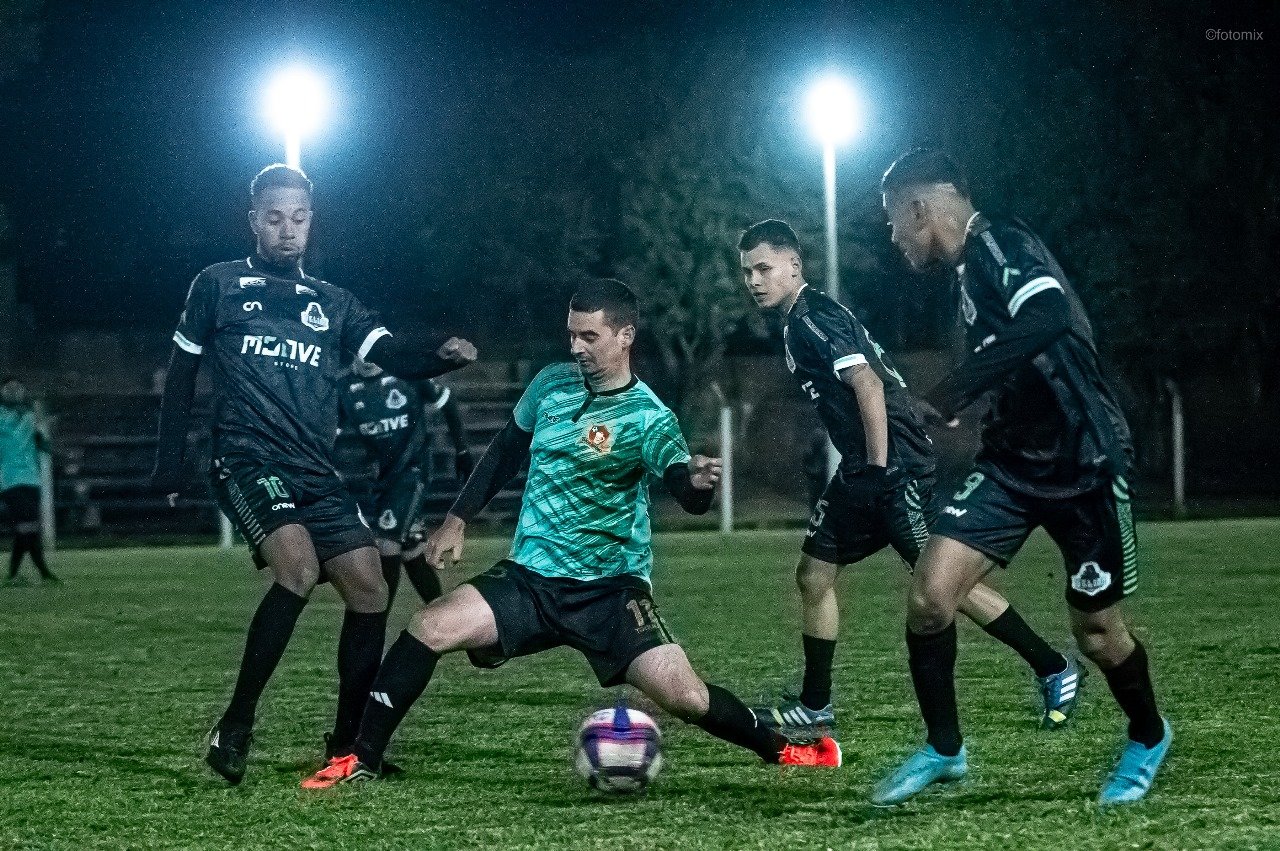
(129, 145)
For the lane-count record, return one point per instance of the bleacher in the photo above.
(104, 444)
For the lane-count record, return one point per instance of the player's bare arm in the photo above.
(869, 390)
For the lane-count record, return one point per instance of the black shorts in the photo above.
(851, 522)
(394, 503)
(260, 497)
(611, 621)
(1094, 531)
(22, 503)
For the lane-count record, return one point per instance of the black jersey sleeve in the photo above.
(1014, 264)
(361, 328)
(199, 315)
(836, 337)
(506, 454)
(434, 395)
(1034, 329)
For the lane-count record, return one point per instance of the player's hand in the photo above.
(463, 464)
(457, 350)
(932, 416)
(704, 472)
(446, 539)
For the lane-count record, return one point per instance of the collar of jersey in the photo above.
(259, 265)
(615, 391)
(799, 293)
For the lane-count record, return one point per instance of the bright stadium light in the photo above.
(296, 103)
(834, 110)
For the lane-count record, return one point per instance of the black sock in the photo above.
(401, 680)
(391, 573)
(1012, 630)
(19, 550)
(818, 655)
(35, 546)
(425, 579)
(1130, 682)
(728, 718)
(359, 652)
(933, 673)
(269, 634)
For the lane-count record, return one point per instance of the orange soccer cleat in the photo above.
(341, 769)
(824, 753)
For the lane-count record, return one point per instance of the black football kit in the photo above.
(856, 517)
(1055, 445)
(278, 339)
(389, 414)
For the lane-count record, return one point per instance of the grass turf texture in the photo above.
(112, 680)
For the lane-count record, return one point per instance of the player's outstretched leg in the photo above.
(459, 621)
(946, 573)
(666, 677)
(1058, 676)
(357, 577)
(289, 552)
(811, 710)
(1104, 638)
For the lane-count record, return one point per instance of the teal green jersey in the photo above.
(585, 513)
(19, 461)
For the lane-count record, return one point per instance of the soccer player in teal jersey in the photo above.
(21, 443)
(578, 573)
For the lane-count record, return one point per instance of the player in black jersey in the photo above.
(1055, 453)
(278, 339)
(393, 419)
(882, 492)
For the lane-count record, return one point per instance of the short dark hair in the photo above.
(924, 167)
(279, 176)
(777, 234)
(619, 303)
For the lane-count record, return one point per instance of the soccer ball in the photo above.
(619, 750)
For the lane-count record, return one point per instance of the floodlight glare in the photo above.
(296, 105)
(834, 110)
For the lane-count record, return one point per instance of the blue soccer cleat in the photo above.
(1060, 692)
(1136, 771)
(924, 768)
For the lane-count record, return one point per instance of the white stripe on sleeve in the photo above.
(848, 361)
(185, 344)
(1030, 288)
(374, 336)
(444, 398)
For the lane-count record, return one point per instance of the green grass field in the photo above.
(111, 681)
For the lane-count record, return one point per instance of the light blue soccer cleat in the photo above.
(1060, 693)
(921, 770)
(1136, 771)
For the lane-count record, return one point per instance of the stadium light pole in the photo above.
(295, 104)
(835, 113)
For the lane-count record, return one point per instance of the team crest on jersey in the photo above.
(1091, 579)
(387, 520)
(599, 438)
(396, 400)
(303, 289)
(313, 317)
(252, 281)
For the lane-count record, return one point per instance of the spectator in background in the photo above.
(21, 441)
